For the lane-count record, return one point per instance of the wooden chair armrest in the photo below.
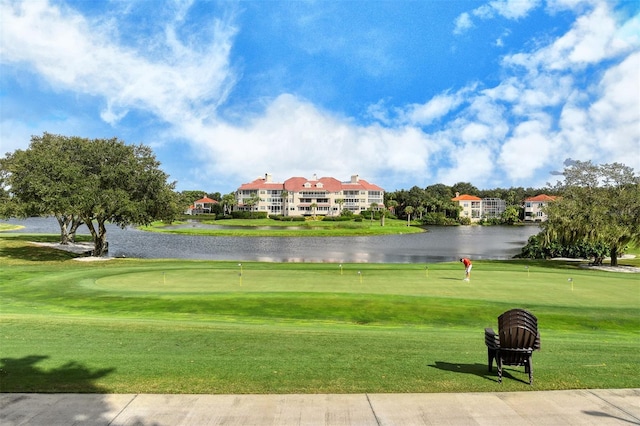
(491, 339)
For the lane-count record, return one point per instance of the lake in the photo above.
(438, 244)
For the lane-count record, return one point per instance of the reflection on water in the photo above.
(439, 244)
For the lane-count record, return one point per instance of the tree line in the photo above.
(93, 182)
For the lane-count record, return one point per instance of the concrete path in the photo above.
(573, 407)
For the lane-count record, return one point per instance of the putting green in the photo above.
(543, 286)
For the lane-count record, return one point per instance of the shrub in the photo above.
(537, 249)
(248, 215)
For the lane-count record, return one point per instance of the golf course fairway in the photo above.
(168, 326)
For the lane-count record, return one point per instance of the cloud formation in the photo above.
(575, 95)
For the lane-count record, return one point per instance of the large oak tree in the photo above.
(94, 181)
(598, 204)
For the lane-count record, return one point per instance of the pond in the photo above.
(438, 244)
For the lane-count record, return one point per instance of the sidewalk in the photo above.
(573, 407)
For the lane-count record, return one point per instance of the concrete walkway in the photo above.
(573, 407)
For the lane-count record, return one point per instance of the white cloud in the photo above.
(436, 108)
(510, 132)
(71, 53)
(527, 150)
(508, 9)
(513, 9)
(594, 37)
(463, 23)
(294, 137)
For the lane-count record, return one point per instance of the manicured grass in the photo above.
(276, 228)
(138, 326)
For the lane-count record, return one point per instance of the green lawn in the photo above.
(276, 228)
(147, 326)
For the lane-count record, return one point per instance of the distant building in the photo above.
(533, 207)
(201, 206)
(476, 208)
(471, 206)
(493, 207)
(299, 196)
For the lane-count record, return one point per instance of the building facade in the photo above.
(470, 206)
(534, 206)
(201, 206)
(299, 196)
(476, 208)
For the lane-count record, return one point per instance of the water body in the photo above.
(439, 244)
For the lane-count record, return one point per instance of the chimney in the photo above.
(315, 177)
(267, 177)
(457, 194)
(355, 178)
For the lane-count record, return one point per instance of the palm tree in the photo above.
(340, 202)
(284, 194)
(408, 210)
(372, 207)
(228, 201)
(392, 206)
(314, 206)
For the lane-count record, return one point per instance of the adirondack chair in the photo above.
(515, 342)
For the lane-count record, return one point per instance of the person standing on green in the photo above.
(467, 268)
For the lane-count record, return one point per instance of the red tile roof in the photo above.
(205, 200)
(260, 183)
(541, 198)
(297, 184)
(466, 197)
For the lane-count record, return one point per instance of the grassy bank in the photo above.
(138, 326)
(276, 228)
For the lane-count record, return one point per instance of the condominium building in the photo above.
(299, 196)
(471, 206)
(476, 208)
(533, 207)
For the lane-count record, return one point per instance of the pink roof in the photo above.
(466, 197)
(297, 184)
(260, 183)
(541, 198)
(363, 184)
(328, 184)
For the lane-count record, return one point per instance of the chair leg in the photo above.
(530, 370)
(491, 355)
(499, 364)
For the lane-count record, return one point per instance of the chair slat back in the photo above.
(518, 329)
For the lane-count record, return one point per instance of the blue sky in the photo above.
(402, 93)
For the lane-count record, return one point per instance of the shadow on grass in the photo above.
(479, 370)
(19, 247)
(23, 375)
(61, 395)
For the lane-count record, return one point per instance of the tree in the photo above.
(464, 188)
(284, 196)
(340, 202)
(252, 201)
(510, 215)
(598, 204)
(123, 184)
(408, 210)
(392, 206)
(44, 180)
(95, 181)
(228, 201)
(372, 207)
(314, 207)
